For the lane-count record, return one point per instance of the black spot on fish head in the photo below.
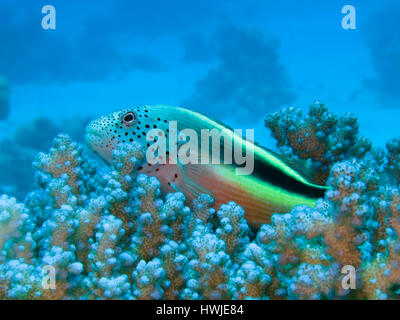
(143, 124)
(151, 120)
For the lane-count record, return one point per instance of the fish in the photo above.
(275, 184)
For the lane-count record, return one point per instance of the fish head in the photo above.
(132, 124)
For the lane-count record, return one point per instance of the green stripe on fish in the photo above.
(268, 165)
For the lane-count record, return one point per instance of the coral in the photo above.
(393, 156)
(65, 163)
(234, 229)
(209, 266)
(254, 274)
(110, 233)
(4, 99)
(149, 280)
(12, 217)
(319, 136)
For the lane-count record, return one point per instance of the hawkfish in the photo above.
(275, 184)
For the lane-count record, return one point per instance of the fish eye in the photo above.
(129, 118)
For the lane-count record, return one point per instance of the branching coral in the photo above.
(112, 234)
(13, 216)
(319, 136)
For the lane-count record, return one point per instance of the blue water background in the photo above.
(234, 60)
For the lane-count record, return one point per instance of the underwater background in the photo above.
(236, 61)
(233, 60)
